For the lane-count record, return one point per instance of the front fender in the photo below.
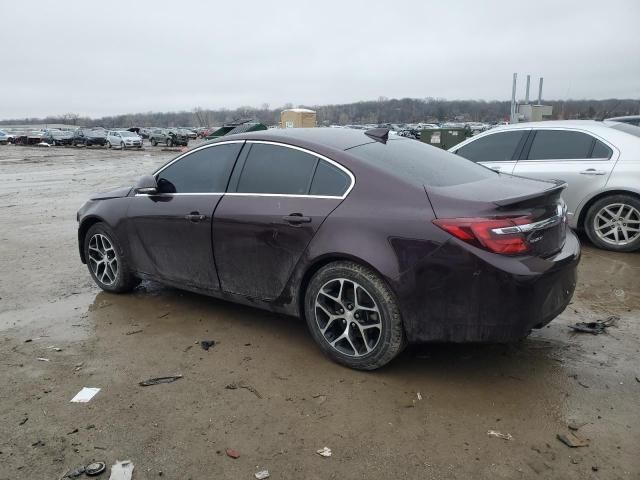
(111, 211)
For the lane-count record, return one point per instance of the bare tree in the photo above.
(203, 117)
(71, 118)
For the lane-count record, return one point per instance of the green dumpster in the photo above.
(444, 138)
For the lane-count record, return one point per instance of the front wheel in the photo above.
(613, 223)
(108, 144)
(353, 316)
(169, 142)
(106, 262)
(122, 147)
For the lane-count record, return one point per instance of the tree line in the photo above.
(382, 110)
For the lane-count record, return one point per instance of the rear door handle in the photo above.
(592, 171)
(296, 219)
(195, 217)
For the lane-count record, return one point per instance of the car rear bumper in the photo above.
(472, 297)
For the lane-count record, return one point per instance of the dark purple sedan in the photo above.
(374, 241)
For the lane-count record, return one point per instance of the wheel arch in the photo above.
(322, 261)
(83, 228)
(582, 215)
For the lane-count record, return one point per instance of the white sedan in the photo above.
(600, 161)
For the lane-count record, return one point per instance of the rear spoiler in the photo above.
(559, 186)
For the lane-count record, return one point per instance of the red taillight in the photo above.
(483, 233)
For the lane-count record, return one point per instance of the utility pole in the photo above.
(513, 118)
(540, 91)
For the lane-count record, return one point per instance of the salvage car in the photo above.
(600, 161)
(169, 137)
(89, 138)
(57, 137)
(375, 242)
(4, 137)
(123, 139)
(630, 119)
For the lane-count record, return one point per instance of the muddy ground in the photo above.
(295, 401)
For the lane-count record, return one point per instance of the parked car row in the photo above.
(120, 138)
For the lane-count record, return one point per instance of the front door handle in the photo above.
(195, 217)
(592, 171)
(296, 219)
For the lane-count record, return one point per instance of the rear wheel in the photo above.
(353, 316)
(106, 262)
(153, 142)
(108, 144)
(613, 223)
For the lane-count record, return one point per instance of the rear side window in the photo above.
(560, 145)
(497, 147)
(203, 171)
(421, 164)
(277, 170)
(600, 150)
(329, 180)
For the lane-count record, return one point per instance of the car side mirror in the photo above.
(147, 185)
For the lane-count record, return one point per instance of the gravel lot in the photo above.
(424, 416)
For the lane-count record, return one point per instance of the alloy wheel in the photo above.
(103, 259)
(348, 317)
(617, 224)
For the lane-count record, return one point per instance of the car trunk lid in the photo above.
(504, 214)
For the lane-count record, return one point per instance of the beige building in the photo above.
(534, 113)
(298, 118)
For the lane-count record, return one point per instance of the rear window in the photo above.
(417, 162)
(625, 127)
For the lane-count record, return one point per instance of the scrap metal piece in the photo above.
(159, 380)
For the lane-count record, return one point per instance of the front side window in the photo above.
(276, 170)
(560, 145)
(203, 171)
(497, 147)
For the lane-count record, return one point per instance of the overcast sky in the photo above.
(102, 58)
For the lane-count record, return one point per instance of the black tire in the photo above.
(633, 243)
(154, 143)
(124, 280)
(122, 146)
(169, 143)
(390, 340)
(108, 144)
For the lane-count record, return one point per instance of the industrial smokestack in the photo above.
(526, 97)
(540, 92)
(513, 99)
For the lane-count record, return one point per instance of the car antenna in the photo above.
(378, 134)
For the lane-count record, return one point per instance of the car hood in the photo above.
(115, 193)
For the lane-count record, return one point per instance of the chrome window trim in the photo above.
(239, 194)
(559, 217)
(197, 149)
(308, 152)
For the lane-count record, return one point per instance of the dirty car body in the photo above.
(467, 253)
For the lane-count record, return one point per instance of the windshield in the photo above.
(128, 134)
(625, 127)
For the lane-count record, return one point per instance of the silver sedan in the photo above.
(600, 161)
